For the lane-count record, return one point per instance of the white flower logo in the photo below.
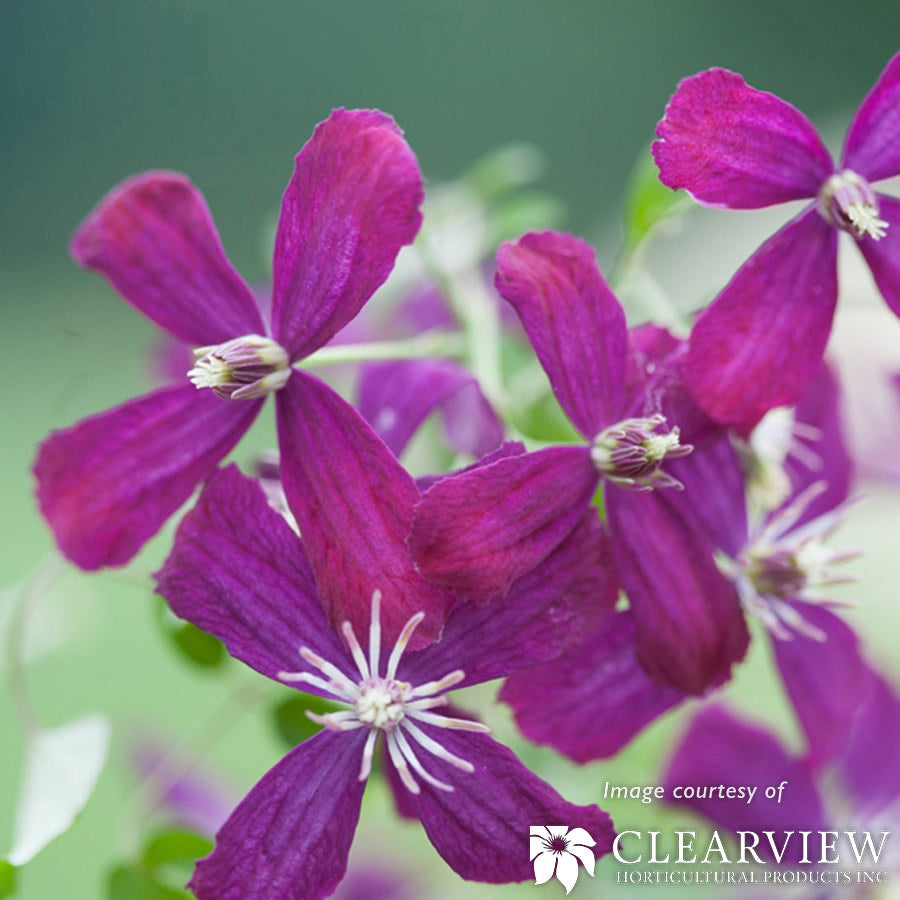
(556, 850)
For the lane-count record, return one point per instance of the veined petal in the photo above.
(238, 571)
(870, 768)
(720, 748)
(592, 700)
(574, 321)
(760, 342)
(477, 532)
(290, 836)
(354, 504)
(544, 612)
(107, 484)
(825, 456)
(871, 147)
(729, 144)
(481, 829)
(154, 240)
(690, 629)
(351, 204)
(827, 682)
(506, 448)
(395, 398)
(883, 256)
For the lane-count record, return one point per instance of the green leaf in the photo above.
(648, 202)
(7, 878)
(62, 766)
(134, 883)
(175, 846)
(505, 169)
(291, 721)
(195, 645)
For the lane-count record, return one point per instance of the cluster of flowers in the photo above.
(606, 580)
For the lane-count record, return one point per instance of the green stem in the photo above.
(432, 343)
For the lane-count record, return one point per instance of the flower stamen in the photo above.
(847, 201)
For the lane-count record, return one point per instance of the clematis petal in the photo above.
(721, 749)
(238, 571)
(583, 855)
(567, 871)
(870, 768)
(107, 484)
(354, 504)
(760, 342)
(154, 239)
(689, 626)
(826, 457)
(870, 148)
(544, 867)
(395, 398)
(351, 204)
(827, 682)
(574, 321)
(477, 532)
(481, 828)
(729, 144)
(290, 836)
(592, 700)
(544, 612)
(507, 448)
(883, 256)
(580, 836)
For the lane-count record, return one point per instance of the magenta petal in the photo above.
(883, 256)
(545, 611)
(351, 204)
(238, 571)
(760, 342)
(871, 148)
(395, 398)
(826, 681)
(290, 836)
(107, 484)
(154, 239)
(592, 700)
(720, 749)
(870, 769)
(574, 321)
(690, 628)
(729, 144)
(477, 532)
(354, 504)
(481, 827)
(826, 458)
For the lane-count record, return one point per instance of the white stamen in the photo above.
(399, 762)
(384, 704)
(375, 633)
(400, 646)
(356, 651)
(368, 752)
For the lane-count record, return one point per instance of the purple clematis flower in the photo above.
(758, 345)
(856, 788)
(299, 612)
(107, 484)
(592, 702)
(479, 531)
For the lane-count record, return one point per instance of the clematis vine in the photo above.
(299, 612)
(477, 532)
(759, 344)
(772, 566)
(107, 484)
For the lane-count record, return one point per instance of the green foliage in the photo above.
(7, 878)
(291, 721)
(648, 202)
(192, 643)
(133, 882)
(177, 846)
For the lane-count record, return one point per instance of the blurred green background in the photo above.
(227, 92)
